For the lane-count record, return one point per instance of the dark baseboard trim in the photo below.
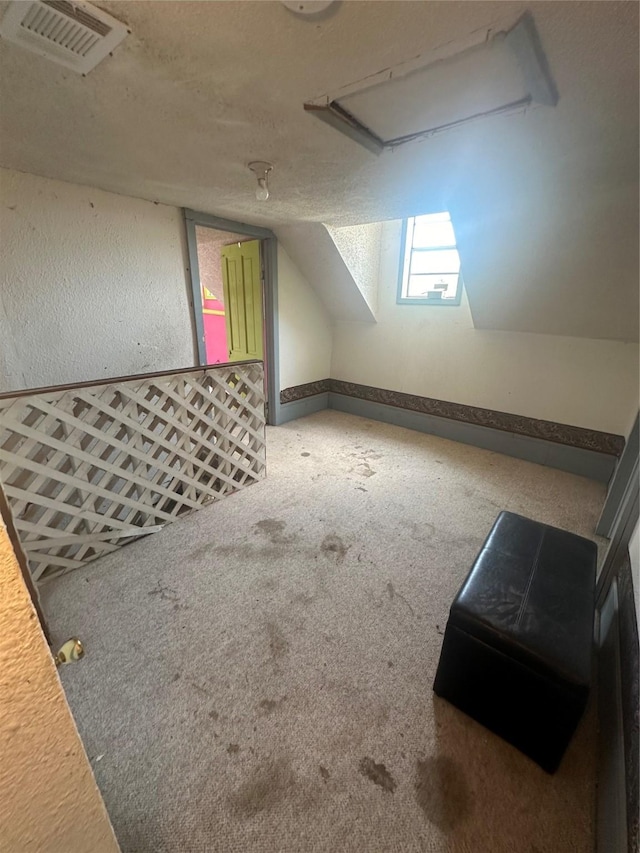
(586, 452)
(572, 436)
(299, 392)
(300, 408)
(576, 460)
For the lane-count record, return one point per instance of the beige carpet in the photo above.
(258, 676)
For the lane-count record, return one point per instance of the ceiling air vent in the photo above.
(74, 34)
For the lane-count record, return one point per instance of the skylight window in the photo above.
(430, 272)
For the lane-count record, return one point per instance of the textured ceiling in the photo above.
(545, 202)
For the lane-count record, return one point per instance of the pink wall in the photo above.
(210, 243)
(215, 332)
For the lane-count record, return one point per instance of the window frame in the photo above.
(401, 299)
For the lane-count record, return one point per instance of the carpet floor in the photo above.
(258, 676)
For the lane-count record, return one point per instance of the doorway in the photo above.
(233, 269)
(231, 298)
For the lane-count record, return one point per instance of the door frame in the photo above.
(270, 261)
(621, 512)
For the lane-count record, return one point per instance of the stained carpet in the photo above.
(258, 676)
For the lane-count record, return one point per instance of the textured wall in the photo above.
(210, 243)
(359, 246)
(49, 800)
(92, 284)
(435, 352)
(305, 330)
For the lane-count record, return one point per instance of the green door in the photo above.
(242, 284)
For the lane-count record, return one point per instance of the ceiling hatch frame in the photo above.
(521, 37)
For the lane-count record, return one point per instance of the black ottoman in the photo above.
(517, 649)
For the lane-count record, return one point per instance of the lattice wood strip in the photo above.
(87, 469)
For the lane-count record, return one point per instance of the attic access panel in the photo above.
(491, 72)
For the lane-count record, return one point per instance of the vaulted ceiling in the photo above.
(544, 202)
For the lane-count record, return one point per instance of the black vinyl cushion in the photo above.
(518, 645)
(531, 590)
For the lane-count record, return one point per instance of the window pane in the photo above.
(445, 261)
(428, 286)
(428, 232)
(445, 216)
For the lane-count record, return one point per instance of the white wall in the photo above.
(435, 352)
(92, 284)
(49, 801)
(305, 329)
(95, 285)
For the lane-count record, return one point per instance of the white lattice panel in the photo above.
(88, 468)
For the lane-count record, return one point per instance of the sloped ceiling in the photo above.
(336, 279)
(544, 203)
(359, 248)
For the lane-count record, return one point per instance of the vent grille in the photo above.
(80, 15)
(77, 33)
(74, 34)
